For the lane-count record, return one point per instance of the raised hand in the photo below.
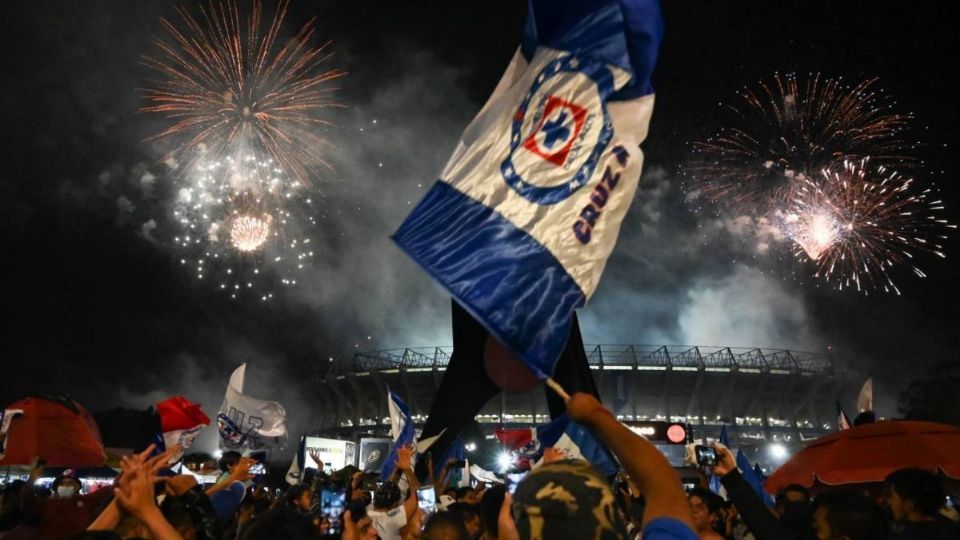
(405, 457)
(551, 454)
(241, 471)
(135, 493)
(725, 460)
(583, 408)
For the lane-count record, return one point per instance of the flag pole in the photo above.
(555, 386)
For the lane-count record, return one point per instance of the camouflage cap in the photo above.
(567, 499)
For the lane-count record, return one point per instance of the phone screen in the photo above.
(258, 468)
(706, 456)
(427, 499)
(333, 503)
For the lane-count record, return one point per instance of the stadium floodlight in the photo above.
(777, 451)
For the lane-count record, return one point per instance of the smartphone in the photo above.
(258, 469)
(333, 502)
(328, 468)
(706, 456)
(427, 499)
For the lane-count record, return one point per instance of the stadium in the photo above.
(766, 397)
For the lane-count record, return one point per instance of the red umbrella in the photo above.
(58, 430)
(868, 453)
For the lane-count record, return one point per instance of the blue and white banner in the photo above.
(401, 429)
(576, 442)
(248, 422)
(528, 209)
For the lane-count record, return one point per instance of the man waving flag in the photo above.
(527, 210)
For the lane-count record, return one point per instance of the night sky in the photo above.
(97, 305)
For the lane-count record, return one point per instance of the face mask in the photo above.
(66, 491)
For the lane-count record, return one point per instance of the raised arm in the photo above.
(405, 464)
(645, 464)
(758, 518)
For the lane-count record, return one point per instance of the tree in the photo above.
(934, 397)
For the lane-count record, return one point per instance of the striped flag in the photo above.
(401, 429)
(525, 214)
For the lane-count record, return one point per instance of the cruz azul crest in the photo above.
(559, 130)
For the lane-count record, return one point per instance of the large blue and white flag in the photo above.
(401, 429)
(528, 209)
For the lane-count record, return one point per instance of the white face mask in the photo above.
(66, 491)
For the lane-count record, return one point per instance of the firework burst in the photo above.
(250, 233)
(856, 223)
(786, 130)
(231, 88)
(245, 225)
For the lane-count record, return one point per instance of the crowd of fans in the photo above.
(561, 498)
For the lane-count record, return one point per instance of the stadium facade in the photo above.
(761, 395)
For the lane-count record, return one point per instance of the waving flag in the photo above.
(180, 423)
(296, 465)
(842, 421)
(575, 440)
(249, 422)
(401, 429)
(6, 417)
(865, 398)
(528, 208)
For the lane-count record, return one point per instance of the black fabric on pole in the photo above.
(572, 372)
(466, 387)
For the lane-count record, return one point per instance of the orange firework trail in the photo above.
(230, 88)
(858, 222)
(786, 130)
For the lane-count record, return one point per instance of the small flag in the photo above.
(296, 465)
(751, 477)
(528, 209)
(865, 399)
(401, 429)
(842, 421)
(6, 417)
(180, 423)
(249, 422)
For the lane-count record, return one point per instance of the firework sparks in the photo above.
(250, 233)
(857, 223)
(241, 216)
(231, 89)
(815, 231)
(786, 130)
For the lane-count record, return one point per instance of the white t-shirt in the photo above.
(389, 523)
